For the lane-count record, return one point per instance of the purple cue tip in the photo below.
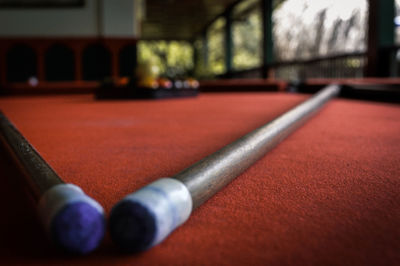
(78, 227)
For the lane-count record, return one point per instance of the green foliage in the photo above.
(201, 70)
(247, 41)
(216, 45)
(171, 58)
(247, 36)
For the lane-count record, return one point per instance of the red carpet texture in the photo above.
(328, 195)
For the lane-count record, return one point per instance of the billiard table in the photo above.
(327, 195)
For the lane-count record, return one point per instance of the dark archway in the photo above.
(21, 62)
(127, 60)
(59, 63)
(96, 60)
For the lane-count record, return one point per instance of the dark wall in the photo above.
(96, 61)
(59, 63)
(127, 60)
(21, 63)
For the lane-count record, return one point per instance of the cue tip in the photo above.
(73, 220)
(145, 218)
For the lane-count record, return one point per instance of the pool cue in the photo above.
(146, 217)
(73, 220)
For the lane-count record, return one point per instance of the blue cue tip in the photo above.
(78, 228)
(132, 226)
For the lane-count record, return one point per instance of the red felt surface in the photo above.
(327, 195)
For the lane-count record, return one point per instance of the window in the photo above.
(247, 35)
(216, 47)
(167, 58)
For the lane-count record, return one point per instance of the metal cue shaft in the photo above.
(146, 217)
(211, 174)
(40, 173)
(73, 220)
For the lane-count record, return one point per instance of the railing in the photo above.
(338, 66)
(349, 65)
(250, 73)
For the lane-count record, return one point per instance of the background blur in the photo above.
(89, 40)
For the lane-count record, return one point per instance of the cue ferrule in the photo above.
(55, 199)
(157, 209)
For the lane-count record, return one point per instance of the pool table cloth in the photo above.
(327, 195)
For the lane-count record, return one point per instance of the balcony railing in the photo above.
(339, 66)
(349, 65)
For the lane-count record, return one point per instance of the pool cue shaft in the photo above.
(74, 221)
(163, 205)
(211, 174)
(31, 163)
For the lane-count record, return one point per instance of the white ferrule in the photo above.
(169, 201)
(59, 196)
